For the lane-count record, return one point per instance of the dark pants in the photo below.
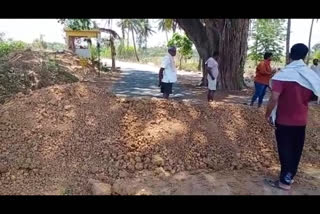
(290, 140)
(166, 88)
(260, 91)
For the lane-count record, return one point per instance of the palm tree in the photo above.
(288, 40)
(165, 25)
(145, 30)
(112, 36)
(309, 44)
(133, 26)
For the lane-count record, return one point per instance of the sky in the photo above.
(29, 29)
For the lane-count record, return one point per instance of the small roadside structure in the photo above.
(79, 42)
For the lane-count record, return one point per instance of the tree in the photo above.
(309, 43)
(229, 37)
(133, 26)
(165, 25)
(268, 35)
(288, 40)
(145, 30)
(39, 43)
(316, 47)
(110, 42)
(184, 46)
(78, 24)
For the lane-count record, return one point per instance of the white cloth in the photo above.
(212, 64)
(212, 84)
(297, 71)
(170, 71)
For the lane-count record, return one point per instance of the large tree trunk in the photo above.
(199, 64)
(309, 44)
(113, 54)
(288, 41)
(229, 37)
(134, 45)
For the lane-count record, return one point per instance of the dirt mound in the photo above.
(54, 139)
(28, 70)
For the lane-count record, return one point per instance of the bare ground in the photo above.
(53, 140)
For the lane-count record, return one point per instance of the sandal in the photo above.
(275, 184)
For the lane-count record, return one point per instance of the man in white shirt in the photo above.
(213, 72)
(316, 68)
(168, 73)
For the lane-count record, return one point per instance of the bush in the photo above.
(7, 47)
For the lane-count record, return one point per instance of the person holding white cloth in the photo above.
(292, 89)
(213, 73)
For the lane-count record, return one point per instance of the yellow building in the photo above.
(72, 35)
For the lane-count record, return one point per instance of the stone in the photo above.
(123, 174)
(161, 172)
(3, 169)
(99, 188)
(138, 159)
(139, 166)
(157, 160)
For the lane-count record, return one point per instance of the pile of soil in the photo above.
(28, 70)
(54, 139)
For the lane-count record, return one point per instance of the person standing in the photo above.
(261, 81)
(168, 73)
(213, 72)
(292, 89)
(316, 68)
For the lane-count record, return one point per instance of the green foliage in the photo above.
(267, 35)
(7, 47)
(316, 54)
(55, 46)
(165, 24)
(124, 52)
(94, 53)
(78, 24)
(183, 43)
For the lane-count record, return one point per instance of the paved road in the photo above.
(142, 81)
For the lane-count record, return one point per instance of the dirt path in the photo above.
(205, 182)
(57, 138)
(140, 81)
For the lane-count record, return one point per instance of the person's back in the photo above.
(263, 72)
(292, 104)
(292, 89)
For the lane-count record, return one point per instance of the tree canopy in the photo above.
(267, 35)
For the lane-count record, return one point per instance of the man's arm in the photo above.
(272, 103)
(160, 75)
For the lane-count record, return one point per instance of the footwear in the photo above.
(277, 184)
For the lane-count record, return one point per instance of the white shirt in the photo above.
(213, 66)
(170, 71)
(316, 68)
